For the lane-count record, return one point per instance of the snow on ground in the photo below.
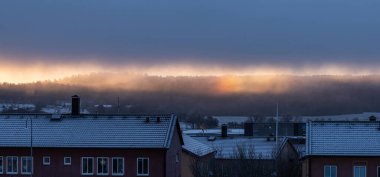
(8, 106)
(213, 131)
(60, 109)
(227, 119)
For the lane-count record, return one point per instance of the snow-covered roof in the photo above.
(344, 117)
(195, 147)
(87, 131)
(344, 138)
(227, 147)
(230, 131)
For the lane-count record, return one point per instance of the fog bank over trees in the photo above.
(207, 95)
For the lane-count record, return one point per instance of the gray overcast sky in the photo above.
(211, 32)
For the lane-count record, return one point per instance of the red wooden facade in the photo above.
(314, 166)
(162, 162)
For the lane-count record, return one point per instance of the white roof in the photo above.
(87, 131)
(344, 117)
(345, 138)
(195, 147)
(227, 147)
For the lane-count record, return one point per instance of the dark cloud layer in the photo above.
(247, 32)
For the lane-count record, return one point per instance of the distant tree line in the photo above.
(296, 95)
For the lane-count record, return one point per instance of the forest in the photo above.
(206, 95)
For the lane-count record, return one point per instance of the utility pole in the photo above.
(118, 105)
(277, 129)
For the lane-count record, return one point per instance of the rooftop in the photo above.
(343, 138)
(87, 130)
(195, 147)
(227, 148)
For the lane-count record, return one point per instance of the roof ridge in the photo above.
(169, 134)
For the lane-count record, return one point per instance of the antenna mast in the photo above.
(277, 129)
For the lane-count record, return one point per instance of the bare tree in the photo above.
(243, 162)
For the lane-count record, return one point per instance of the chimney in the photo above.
(372, 118)
(248, 129)
(224, 130)
(75, 105)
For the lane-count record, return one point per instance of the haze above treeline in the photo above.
(208, 95)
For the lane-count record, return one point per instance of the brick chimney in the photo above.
(75, 105)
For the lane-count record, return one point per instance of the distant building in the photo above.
(238, 152)
(73, 145)
(342, 149)
(194, 151)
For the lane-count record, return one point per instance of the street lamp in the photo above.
(31, 143)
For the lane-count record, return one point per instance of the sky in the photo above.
(47, 39)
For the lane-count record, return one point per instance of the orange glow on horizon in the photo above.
(259, 84)
(228, 81)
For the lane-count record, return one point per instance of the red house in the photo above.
(342, 149)
(73, 145)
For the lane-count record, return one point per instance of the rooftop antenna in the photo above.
(277, 128)
(118, 104)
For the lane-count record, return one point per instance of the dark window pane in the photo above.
(90, 165)
(333, 171)
(105, 165)
(100, 165)
(114, 166)
(84, 166)
(327, 171)
(145, 166)
(120, 166)
(1, 165)
(139, 166)
(14, 164)
(362, 172)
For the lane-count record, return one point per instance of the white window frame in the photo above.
(64, 161)
(97, 165)
(365, 170)
(12, 173)
(81, 169)
(2, 165)
(22, 165)
(137, 165)
(330, 167)
(177, 158)
(118, 158)
(44, 162)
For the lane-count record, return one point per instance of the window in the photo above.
(177, 158)
(360, 171)
(87, 165)
(102, 165)
(46, 160)
(67, 161)
(330, 171)
(143, 166)
(12, 164)
(117, 166)
(26, 165)
(1, 165)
